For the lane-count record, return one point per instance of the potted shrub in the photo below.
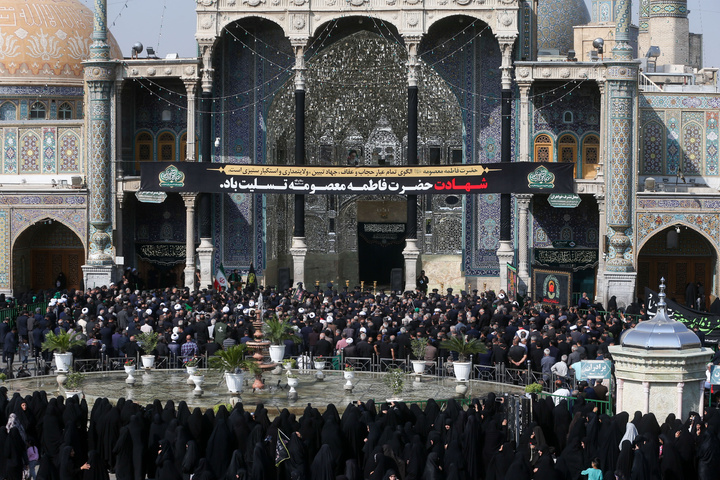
(61, 344)
(147, 341)
(534, 388)
(277, 331)
(418, 346)
(395, 380)
(233, 365)
(464, 347)
(289, 363)
(73, 383)
(3, 377)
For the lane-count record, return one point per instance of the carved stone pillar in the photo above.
(191, 89)
(524, 119)
(189, 199)
(602, 232)
(411, 253)
(99, 75)
(505, 251)
(207, 248)
(299, 249)
(523, 203)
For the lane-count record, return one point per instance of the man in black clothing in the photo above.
(324, 347)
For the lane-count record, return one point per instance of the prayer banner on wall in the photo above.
(516, 177)
(552, 287)
(512, 281)
(707, 323)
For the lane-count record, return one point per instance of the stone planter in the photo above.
(73, 393)
(277, 352)
(349, 375)
(292, 383)
(148, 361)
(198, 380)
(129, 369)
(191, 371)
(319, 364)
(63, 361)
(418, 367)
(234, 382)
(462, 371)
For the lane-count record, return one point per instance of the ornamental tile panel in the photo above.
(69, 145)
(49, 150)
(30, 152)
(10, 149)
(652, 148)
(650, 223)
(5, 254)
(692, 149)
(711, 147)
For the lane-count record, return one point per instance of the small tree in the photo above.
(463, 346)
(233, 360)
(61, 343)
(147, 341)
(395, 380)
(74, 380)
(277, 331)
(418, 346)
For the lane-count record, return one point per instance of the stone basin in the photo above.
(172, 384)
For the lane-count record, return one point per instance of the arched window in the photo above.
(590, 156)
(166, 147)
(38, 111)
(543, 148)
(568, 117)
(143, 149)
(65, 112)
(568, 150)
(8, 111)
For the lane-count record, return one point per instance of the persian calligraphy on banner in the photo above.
(516, 177)
(550, 257)
(707, 323)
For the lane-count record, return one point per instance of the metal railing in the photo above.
(604, 406)
(12, 313)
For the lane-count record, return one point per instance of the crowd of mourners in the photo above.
(369, 441)
(66, 440)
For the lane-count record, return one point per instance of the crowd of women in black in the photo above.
(366, 441)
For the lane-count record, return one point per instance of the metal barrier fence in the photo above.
(604, 406)
(108, 364)
(12, 313)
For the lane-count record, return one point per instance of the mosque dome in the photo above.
(660, 333)
(555, 22)
(46, 41)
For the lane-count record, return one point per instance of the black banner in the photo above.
(576, 260)
(552, 287)
(167, 254)
(707, 323)
(516, 177)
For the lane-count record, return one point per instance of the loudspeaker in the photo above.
(283, 279)
(396, 280)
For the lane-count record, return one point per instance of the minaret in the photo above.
(669, 29)
(644, 32)
(99, 74)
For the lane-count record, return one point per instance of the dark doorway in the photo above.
(380, 247)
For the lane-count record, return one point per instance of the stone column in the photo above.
(602, 231)
(189, 199)
(621, 91)
(298, 248)
(505, 251)
(524, 119)
(679, 406)
(191, 89)
(523, 203)
(99, 74)
(412, 251)
(207, 248)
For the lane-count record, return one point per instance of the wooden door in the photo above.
(677, 272)
(46, 264)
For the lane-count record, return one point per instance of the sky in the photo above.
(169, 25)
